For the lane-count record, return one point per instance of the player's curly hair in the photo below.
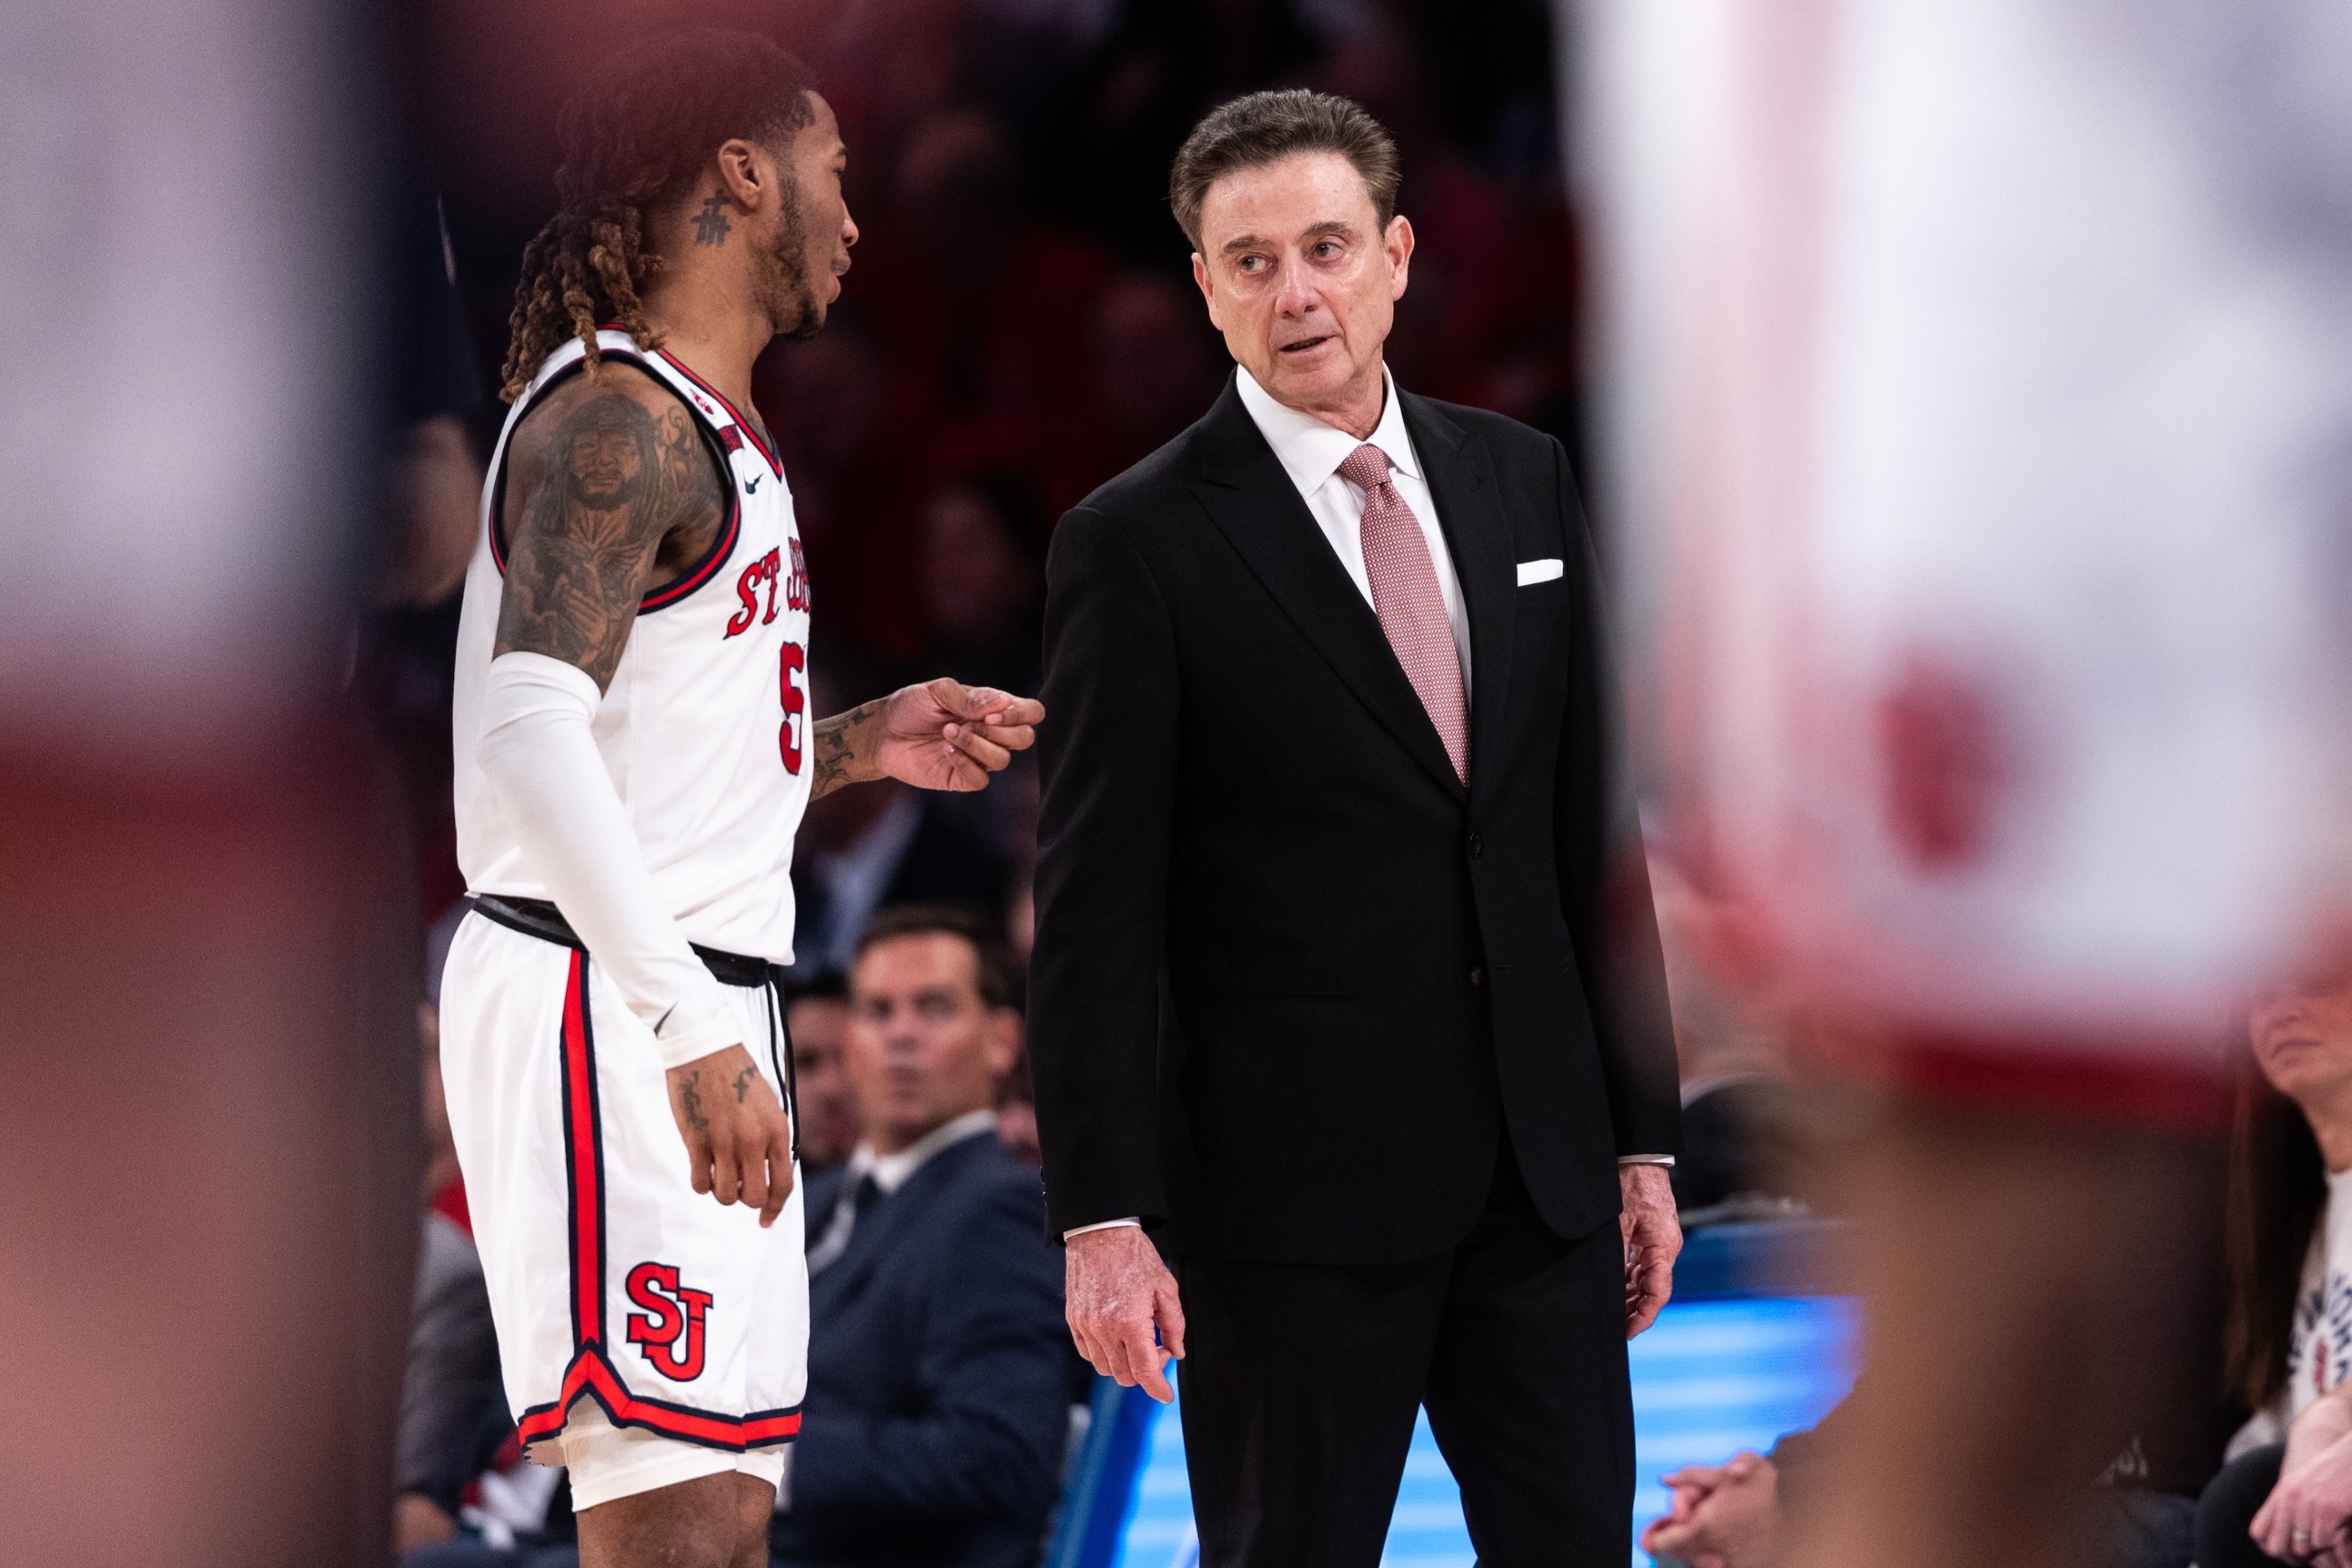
(636, 137)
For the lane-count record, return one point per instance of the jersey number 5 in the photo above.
(791, 676)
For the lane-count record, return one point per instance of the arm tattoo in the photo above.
(743, 1084)
(710, 225)
(837, 737)
(616, 493)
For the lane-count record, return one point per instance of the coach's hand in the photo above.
(1654, 1240)
(739, 1142)
(1118, 1292)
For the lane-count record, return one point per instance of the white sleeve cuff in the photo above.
(700, 1024)
(1645, 1159)
(1107, 1225)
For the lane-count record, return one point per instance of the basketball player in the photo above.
(634, 753)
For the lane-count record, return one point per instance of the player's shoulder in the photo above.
(610, 387)
(624, 402)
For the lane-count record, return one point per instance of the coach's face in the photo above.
(1302, 279)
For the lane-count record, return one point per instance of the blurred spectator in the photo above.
(2289, 1336)
(941, 1373)
(816, 1016)
(979, 301)
(461, 1490)
(879, 846)
(1735, 1515)
(1491, 318)
(451, 1394)
(404, 667)
(1743, 1142)
(1157, 362)
(981, 573)
(1165, 63)
(1016, 1114)
(1021, 914)
(854, 460)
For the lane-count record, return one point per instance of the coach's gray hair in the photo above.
(1267, 127)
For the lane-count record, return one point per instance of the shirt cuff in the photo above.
(1645, 1159)
(1107, 1225)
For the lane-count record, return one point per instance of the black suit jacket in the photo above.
(940, 1375)
(1292, 979)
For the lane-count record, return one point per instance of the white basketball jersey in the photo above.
(705, 728)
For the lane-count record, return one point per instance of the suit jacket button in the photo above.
(1478, 847)
(1477, 975)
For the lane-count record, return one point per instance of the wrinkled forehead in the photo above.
(1286, 199)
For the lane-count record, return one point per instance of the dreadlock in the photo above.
(636, 137)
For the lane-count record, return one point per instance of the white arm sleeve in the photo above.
(541, 760)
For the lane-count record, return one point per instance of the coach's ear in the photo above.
(1200, 277)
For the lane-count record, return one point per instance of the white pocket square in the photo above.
(1542, 570)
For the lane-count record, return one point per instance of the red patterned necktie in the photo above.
(1406, 597)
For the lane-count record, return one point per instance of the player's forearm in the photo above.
(847, 746)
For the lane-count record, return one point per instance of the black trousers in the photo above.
(1300, 1387)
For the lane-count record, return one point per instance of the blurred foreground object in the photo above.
(1980, 383)
(207, 1096)
(1980, 377)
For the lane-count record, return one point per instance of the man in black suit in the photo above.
(1346, 985)
(940, 1378)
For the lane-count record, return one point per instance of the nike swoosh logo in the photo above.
(752, 484)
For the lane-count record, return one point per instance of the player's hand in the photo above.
(945, 735)
(1120, 1294)
(1654, 1240)
(739, 1142)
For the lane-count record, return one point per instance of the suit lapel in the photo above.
(1461, 477)
(1250, 497)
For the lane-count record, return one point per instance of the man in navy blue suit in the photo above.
(941, 1372)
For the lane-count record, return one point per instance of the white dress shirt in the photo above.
(1311, 452)
(891, 1172)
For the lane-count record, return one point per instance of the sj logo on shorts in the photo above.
(669, 1329)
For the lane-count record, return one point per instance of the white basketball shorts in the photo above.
(647, 1333)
